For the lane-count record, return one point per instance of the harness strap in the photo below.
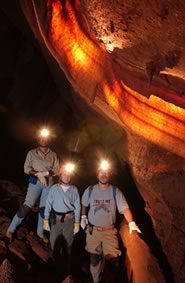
(92, 187)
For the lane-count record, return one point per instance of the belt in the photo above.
(98, 228)
(65, 217)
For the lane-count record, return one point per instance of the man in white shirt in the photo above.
(41, 165)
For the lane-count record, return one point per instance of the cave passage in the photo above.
(80, 260)
(108, 80)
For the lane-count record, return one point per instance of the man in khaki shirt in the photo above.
(41, 165)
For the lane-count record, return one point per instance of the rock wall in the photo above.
(159, 177)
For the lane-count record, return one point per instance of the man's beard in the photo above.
(104, 181)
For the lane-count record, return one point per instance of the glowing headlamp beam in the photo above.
(69, 167)
(104, 165)
(44, 133)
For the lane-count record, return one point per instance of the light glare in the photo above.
(69, 167)
(104, 165)
(44, 133)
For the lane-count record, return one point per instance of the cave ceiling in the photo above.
(124, 58)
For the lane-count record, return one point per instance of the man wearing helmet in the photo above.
(62, 213)
(41, 165)
(102, 200)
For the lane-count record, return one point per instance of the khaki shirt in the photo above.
(38, 161)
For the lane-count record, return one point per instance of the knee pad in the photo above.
(23, 211)
(95, 259)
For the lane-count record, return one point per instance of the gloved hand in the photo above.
(46, 225)
(42, 174)
(76, 227)
(133, 227)
(42, 180)
(84, 222)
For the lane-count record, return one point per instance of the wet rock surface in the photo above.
(140, 32)
(157, 194)
(38, 247)
(3, 251)
(27, 258)
(6, 272)
(140, 270)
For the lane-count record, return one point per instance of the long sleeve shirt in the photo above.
(63, 201)
(38, 161)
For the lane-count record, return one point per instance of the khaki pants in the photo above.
(103, 243)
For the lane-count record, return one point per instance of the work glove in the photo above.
(46, 225)
(42, 174)
(84, 222)
(41, 179)
(133, 227)
(76, 228)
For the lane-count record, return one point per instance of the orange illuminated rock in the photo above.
(155, 113)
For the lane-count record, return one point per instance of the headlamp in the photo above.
(104, 165)
(69, 167)
(44, 133)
